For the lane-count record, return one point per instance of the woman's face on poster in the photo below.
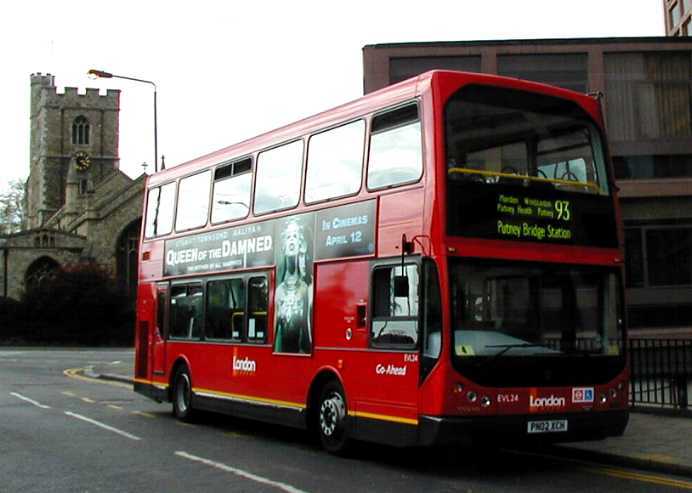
(292, 238)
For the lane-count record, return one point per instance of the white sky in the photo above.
(229, 70)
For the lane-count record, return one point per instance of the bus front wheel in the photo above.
(182, 395)
(331, 419)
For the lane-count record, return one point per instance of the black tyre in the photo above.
(332, 416)
(182, 395)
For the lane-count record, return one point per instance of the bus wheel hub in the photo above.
(331, 414)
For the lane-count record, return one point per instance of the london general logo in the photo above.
(582, 395)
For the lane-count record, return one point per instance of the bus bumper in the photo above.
(440, 430)
(158, 393)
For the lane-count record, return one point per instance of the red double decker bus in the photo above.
(437, 261)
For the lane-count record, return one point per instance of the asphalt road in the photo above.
(60, 433)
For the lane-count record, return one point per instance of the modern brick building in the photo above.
(646, 83)
(678, 14)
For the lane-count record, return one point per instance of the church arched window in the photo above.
(80, 131)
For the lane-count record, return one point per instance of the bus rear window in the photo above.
(160, 207)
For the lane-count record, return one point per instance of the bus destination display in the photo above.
(345, 231)
(525, 217)
(505, 212)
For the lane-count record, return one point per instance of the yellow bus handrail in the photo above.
(571, 183)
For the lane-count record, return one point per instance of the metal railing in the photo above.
(660, 370)
(660, 373)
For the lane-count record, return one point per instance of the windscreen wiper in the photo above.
(507, 347)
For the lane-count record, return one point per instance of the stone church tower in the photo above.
(80, 207)
(64, 126)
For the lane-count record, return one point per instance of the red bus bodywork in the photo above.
(388, 400)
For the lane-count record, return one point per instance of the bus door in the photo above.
(160, 332)
(393, 366)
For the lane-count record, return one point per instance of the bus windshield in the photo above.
(503, 309)
(495, 135)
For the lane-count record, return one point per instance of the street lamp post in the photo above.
(107, 75)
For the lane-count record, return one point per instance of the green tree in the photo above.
(12, 212)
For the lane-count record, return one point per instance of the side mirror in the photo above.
(400, 286)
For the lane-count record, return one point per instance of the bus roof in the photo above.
(380, 99)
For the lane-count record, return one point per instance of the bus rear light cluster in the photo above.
(458, 388)
(604, 398)
(471, 396)
(485, 401)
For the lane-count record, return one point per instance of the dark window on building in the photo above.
(634, 257)
(650, 167)
(648, 95)
(394, 318)
(563, 70)
(675, 15)
(669, 256)
(658, 256)
(80, 131)
(187, 311)
(406, 67)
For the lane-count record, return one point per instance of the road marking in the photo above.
(239, 472)
(75, 373)
(102, 425)
(86, 399)
(613, 472)
(142, 413)
(30, 401)
(67, 393)
(113, 406)
(643, 478)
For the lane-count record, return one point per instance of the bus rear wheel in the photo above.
(331, 419)
(182, 395)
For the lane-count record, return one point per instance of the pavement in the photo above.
(654, 440)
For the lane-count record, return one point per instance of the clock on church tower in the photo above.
(82, 161)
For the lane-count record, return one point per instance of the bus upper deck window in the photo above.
(396, 150)
(335, 162)
(160, 207)
(193, 201)
(232, 188)
(278, 178)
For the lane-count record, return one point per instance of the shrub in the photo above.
(80, 303)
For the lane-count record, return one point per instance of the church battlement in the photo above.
(45, 92)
